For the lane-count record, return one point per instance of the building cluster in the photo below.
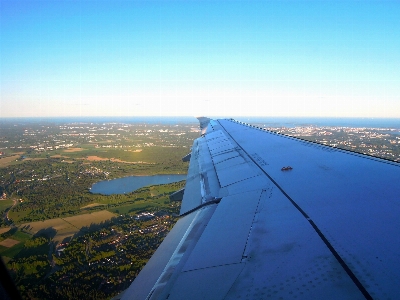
(145, 216)
(380, 142)
(44, 138)
(94, 171)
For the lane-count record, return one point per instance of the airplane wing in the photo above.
(266, 215)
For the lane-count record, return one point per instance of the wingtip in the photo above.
(204, 121)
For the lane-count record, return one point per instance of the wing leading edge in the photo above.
(326, 228)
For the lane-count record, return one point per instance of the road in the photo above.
(5, 215)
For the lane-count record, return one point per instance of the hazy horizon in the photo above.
(268, 121)
(81, 58)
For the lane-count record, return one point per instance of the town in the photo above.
(379, 142)
(34, 137)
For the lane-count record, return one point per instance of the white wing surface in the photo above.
(328, 227)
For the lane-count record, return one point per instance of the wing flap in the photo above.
(225, 156)
(223, 242)
(235, 173)
(234, 161)
(218, 281)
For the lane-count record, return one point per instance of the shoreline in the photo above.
(144, 177)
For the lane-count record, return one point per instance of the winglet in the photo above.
(204, 121)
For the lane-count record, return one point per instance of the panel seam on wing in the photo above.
(346, 268)
(245, 254)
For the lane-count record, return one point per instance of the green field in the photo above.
(55, 229)
(15, 235)
(13, 251)
(62, 228)
(4, 204)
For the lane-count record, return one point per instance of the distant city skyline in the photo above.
(192, 58)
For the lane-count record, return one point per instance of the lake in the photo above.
(131, 183)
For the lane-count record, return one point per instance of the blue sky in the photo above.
(224, 58)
